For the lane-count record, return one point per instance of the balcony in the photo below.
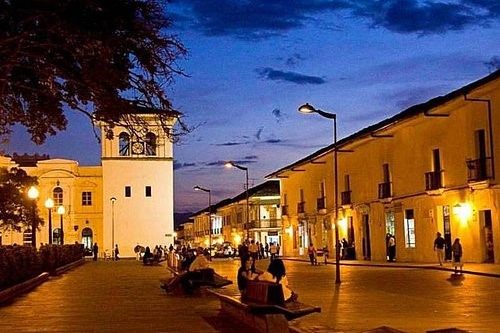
(479, 170)
(384, 191)
(321, 203)
(284, 210)
(265, 224)
(345, 198)
(433, 182)
(301, 207)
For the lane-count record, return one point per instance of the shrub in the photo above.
(21, 263)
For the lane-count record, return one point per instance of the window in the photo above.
(27, 237)
(148, 191)
(150, 144)
(56, 236)
(86, 198)
(409, 228)
(124, 144)
(57, 195)
(128, 191)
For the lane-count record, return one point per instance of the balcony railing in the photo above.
(284, 210)
(267, 223)
(321, 203)
(433, 180)
(301, 207)
(384, 190)
(479, 170)
(345, 198)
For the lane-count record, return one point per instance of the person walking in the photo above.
(439, 248)
(456, 248)
(273, 249)
(253, 249)
(95, 250)
(392, 248)
(117, 253)
(311, 250)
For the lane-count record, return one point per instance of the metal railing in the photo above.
(433, 180)
(345, 198)
(267, 223)
(301, 207)
(321, 203)
(384, 190)
(479, 169)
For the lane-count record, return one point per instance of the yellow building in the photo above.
(431, 168)
(229, 222)
(127, 200)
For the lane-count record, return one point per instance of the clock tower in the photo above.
(137, 167)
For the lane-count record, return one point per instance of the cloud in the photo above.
(279, 115)
(294, 60)
(268, 73)
(232, 143)
(260, 19)
(259, 132)
(493, 64)
(251, 157)
(255, 19)
(178, 165)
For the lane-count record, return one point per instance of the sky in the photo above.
(252, 63)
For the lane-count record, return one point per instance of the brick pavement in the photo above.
(125, 296)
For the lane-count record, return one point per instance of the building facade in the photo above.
(229, 219)
(431, 168)
(127, 200)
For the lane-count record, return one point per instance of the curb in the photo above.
(12, 292)
(23, 287)
(437, 268)
(69, 266)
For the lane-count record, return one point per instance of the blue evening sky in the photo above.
(252, 63)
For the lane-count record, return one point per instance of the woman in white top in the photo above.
(276, 273)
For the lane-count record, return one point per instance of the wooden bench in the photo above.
(263, 306)
(193, 280)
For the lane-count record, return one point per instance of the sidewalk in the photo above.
(490, 270)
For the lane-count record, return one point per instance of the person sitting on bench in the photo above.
(276, 273)
(247, 271)
(148, 256)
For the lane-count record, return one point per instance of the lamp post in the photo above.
(61, 211)
(49, 204)
(33, 195)
(307, 109)
(231, 164)
(199, 188)
(113, 200)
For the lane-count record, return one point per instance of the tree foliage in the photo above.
(16, 208)
(100, 57)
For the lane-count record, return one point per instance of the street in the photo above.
(124, 296)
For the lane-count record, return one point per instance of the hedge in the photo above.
(21, 263)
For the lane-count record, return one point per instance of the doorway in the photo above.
(487, 226)
(87, 238)
(367, 251)
(447, 232)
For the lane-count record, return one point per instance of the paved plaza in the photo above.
(124, 296)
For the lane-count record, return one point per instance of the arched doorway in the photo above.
(87, 238)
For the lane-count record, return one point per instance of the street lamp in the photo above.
(49, 204)
(231, 164)
(61, 211)
(199, 188)
(33, 195)
(307, 108)
(113, 200)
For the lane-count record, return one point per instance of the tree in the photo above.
(104, 58)
(16, 209)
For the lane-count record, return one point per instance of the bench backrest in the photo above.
(264, 292)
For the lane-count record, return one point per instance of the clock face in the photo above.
(137, 147)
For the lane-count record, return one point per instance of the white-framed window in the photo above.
(57, 196)
(86, 198)
(409, 226)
